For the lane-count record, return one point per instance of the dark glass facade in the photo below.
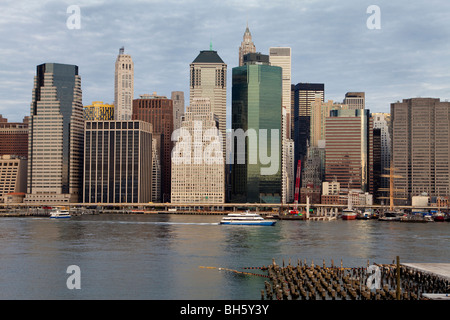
(117, 164)
(256, 105)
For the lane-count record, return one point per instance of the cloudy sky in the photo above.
(331, 44)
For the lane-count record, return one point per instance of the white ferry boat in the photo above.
(246, 218)
(58, 213)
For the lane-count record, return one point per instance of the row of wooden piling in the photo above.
(314, 282)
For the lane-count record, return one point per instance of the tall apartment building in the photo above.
(247, 46)
(117, 162)
(198, 167)
(355, 100)
(420, 135)
(348, 151)
(158, 110)
(14, 137)
(178, 108)
(99, 111)
(13, 175)
(123, 86)
(56, 127)
(156, 167)
(256, 109)
(208, 79)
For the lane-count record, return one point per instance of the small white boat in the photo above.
(246, 218)
(58, 213)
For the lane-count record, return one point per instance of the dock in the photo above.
(406, 281)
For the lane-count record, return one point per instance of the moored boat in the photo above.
(389, 216)
(348, 214)
(246, 218)
(438, 216)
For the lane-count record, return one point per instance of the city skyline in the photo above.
(403, 59)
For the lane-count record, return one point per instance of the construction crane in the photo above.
(297, 188)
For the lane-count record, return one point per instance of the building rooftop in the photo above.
(208, 56)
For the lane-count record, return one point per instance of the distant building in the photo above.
(420, 135)
(256, 109)
(355, 100)
(117, 162)
(198, 167)
(304, 95)
(123, 86)
(13, 176)
(348, 149)
(178, 108)
(382, 121)
(99, 111)
(14, 137)
(208, 79)
(158, 110)
(247, 46)
(56, 126)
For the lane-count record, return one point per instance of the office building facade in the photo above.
(117, 162)
(420, 129)
(56, 126)
(208, 79)
(14, 137)
(256, 112)
(198, 167)
(348, 149)
(158, 110)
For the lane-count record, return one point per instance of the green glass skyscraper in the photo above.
(256, 131)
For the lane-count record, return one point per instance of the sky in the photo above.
(407, 57)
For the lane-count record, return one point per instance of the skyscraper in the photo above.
(117, 162)
(56, 126)
(178, 108)
(348, 151)
(281, 57)
(420, 135)
(382, 121)
(158, 110)
(198, 170)
(304, 95)
(208, 79)
(256, 114)
(247, 46)
(123, 86)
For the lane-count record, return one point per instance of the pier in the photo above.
(406, 281)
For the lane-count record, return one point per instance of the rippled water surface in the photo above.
(164, 256)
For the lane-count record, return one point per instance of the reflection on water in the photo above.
(158, 256)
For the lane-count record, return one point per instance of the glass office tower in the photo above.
(256, 121)
(56, 126)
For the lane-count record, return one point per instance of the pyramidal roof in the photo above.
(208, 56)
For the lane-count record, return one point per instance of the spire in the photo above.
(210, 45)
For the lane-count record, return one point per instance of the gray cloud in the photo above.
(330, 43)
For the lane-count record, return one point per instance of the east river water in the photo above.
(165, 256)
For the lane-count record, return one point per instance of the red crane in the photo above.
(297, 187)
